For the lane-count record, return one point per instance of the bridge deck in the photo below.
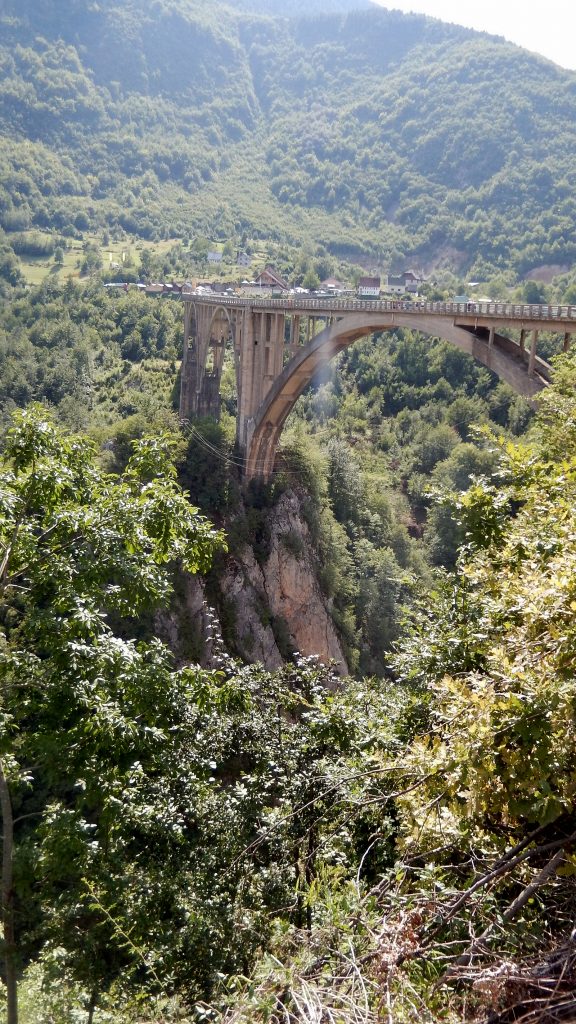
(523, 315)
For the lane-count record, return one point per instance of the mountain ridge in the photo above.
(411, 135)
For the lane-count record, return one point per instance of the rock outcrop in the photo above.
(268, 608)
(279, 605)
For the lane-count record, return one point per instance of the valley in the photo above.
(287, 643)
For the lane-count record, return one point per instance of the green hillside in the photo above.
(370, 132)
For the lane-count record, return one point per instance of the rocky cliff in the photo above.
(267, 608)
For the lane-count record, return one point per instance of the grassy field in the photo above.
(119, 252)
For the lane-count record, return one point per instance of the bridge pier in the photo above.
(260, 363)
(294, 333)
(532, 360)
(206, 334)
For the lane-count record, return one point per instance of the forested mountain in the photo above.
(369, 132)
(298, 8)
(189, 834)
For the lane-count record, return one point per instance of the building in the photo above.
(270, 279)
(403, 284)
(368, 288)
(223, 287)
(331, 284)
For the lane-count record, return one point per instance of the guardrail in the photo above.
(497, 310)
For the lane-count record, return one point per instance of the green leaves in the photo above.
(86, 540)
(500, 658)
(94, 713)
(164, 818)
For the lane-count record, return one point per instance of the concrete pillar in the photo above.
(491, 338)
(245, 377)
(271, 358)
(295, 331)
(532, 360)
(258, 348)
(567, 340)
(184, 369)
(279, 344)
(523, 340)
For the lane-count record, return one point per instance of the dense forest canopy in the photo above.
(391, 136)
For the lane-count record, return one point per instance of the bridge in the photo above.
(279, 344)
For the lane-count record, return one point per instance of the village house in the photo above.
(223, 287)
(403, 284)
(331, 284)
(268, 278)
(368, 288)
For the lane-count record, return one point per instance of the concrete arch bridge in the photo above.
(279, 344)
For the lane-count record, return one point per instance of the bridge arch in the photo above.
(221, 331)
(497, 352)
(207, 330)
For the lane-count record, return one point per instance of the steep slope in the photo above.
(298, 8)
(424, 133)
(135, 107)
(365, 130)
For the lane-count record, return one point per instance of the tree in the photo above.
(311, 280)
(345, 486)
(494, 656)
(80, 706)
(92, 262)
(10, 266)
(534, 292)
(555, 426)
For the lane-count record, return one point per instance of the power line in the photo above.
(218, 452)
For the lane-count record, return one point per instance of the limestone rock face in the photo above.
(279, 606)
(268, 609)
(188, 626)
(243, 592)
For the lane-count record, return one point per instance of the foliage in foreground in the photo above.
(476, 917)
(86, 713)
(292, 853)
(156, 823)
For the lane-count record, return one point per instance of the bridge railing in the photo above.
(497, 310)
